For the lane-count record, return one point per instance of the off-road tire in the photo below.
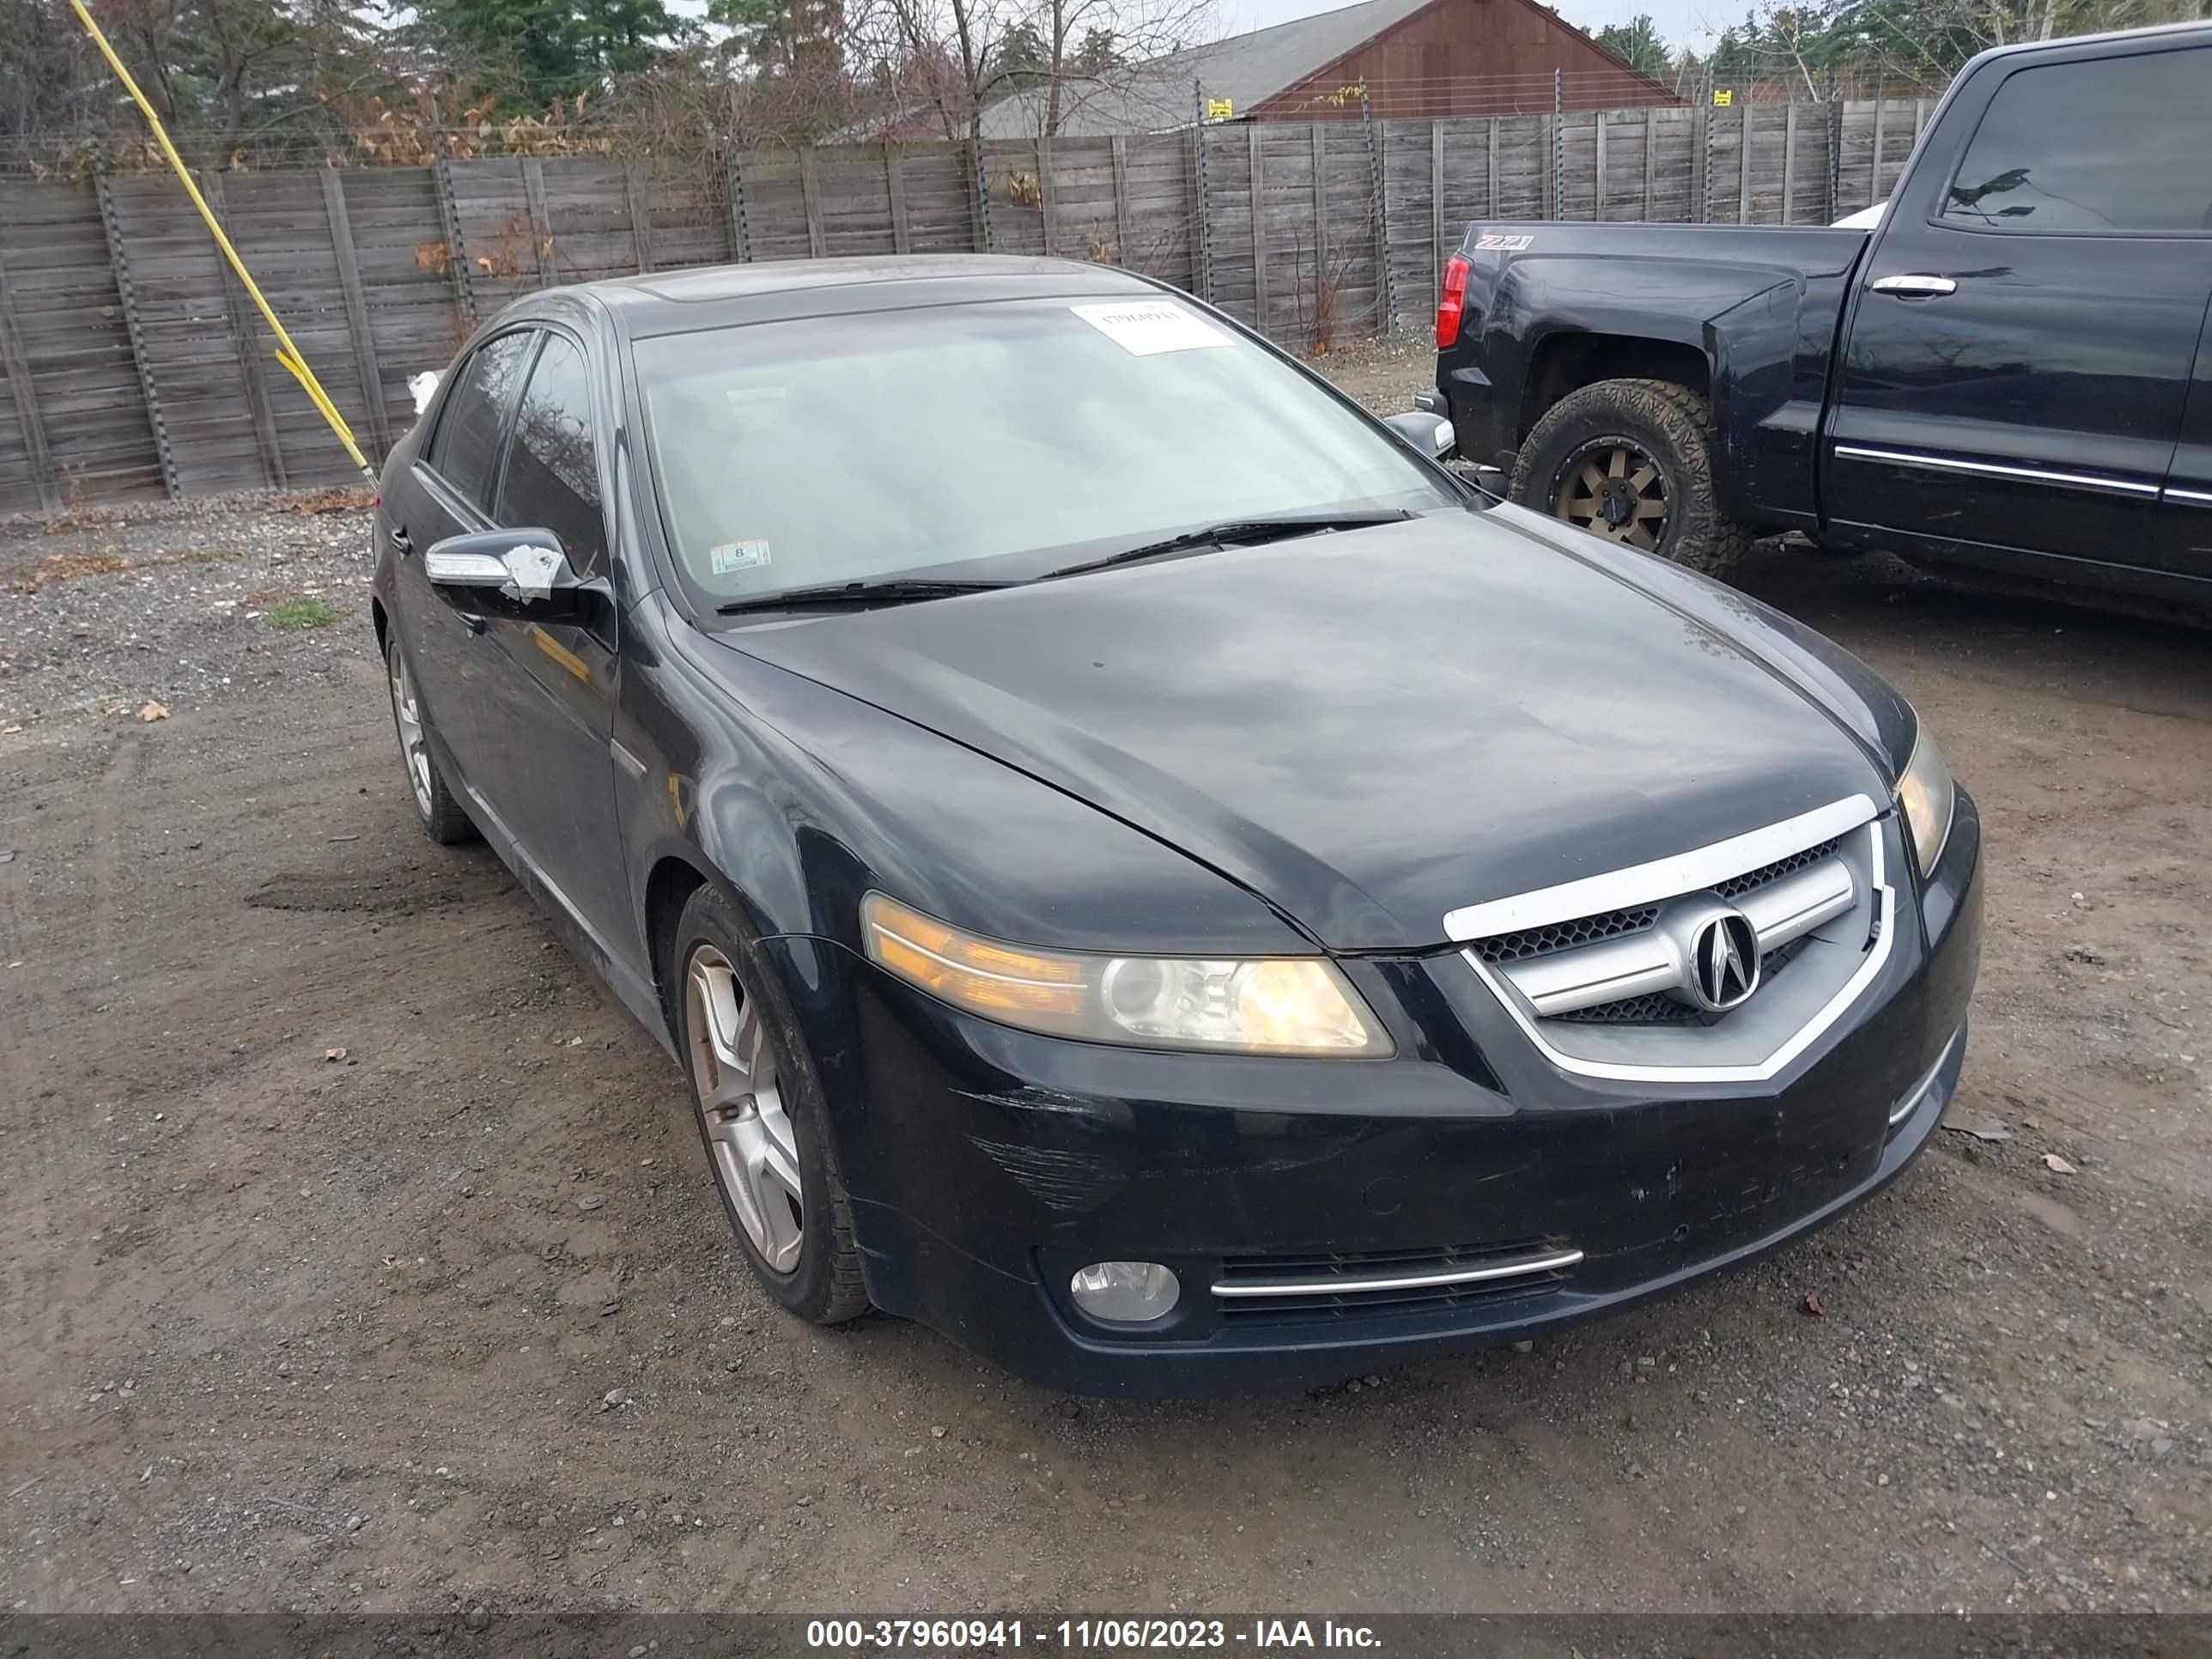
(825, 1286)
(1667, 421)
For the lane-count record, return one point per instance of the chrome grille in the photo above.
(1531, 942)
(1658, 1008)
(1752, 880)
(1562, 935)
(1580, 966)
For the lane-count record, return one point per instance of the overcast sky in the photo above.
(1691, 22)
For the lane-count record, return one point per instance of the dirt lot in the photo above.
(360, 1253)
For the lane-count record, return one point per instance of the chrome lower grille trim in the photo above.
(1345, 1285)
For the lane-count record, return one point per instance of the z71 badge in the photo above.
(1502, 244)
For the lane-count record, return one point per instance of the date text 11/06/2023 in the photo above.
(1087, 1635)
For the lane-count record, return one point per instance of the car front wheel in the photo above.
(443, 818)
(761, 1115)
(1633, 461)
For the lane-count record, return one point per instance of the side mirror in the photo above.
(1431, 434)
(508, 572)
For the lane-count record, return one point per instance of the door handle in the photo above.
(1915, 286)
(401, 541)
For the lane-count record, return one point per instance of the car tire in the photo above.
(1633, 461)
(444, 819)
(757, 1101)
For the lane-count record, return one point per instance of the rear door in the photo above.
(550, 776)
(2185, 543)
(2017, 355)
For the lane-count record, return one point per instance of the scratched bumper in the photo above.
(986, 1166)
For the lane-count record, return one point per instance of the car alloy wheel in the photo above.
(407, 716)
(752, 1140)
(1613, 486)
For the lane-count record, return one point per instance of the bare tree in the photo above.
(954, 59)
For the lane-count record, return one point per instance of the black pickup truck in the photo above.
(2013, 369)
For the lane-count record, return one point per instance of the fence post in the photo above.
(1701, 152)
(1047, 201)
(1789, 157)
(815, 240)
(641, 217)
(457, 252)
(1743, 165)
(1321, 213)
(1255, 133)
(1597, 184)
(1378, 167)
(1120, 151)
(1555, 195)
(1835, 154)
(357, 306)
(1651, 157)
(1436, 208)
(978, 201)
(121, 266)
(894, 183)
(541, 218)
(1874, 175)
(240, 321)
(17, 366)
(738, 251)
(1201, 209)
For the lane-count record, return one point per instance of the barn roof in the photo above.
(1247, 70)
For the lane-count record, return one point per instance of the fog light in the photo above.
(1128, 1292)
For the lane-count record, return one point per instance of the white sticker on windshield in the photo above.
(1143, 327)
(732, 556)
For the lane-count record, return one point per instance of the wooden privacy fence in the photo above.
(135, 367)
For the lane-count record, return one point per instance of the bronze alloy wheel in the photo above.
(1611, 486)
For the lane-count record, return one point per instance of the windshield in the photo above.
(886, 445)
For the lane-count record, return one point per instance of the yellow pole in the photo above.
(287, 353)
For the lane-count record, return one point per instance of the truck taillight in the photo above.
(1451, 300)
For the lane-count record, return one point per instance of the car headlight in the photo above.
(1271, 1006)
(1927, 796)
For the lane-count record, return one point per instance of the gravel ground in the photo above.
(361, 1255)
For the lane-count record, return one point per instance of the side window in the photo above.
(552, 467)
(466, 447)
(2111, 144)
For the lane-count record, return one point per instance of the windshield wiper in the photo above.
(898, 592)
(1237, 532)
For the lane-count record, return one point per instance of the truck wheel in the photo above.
(1633, 461)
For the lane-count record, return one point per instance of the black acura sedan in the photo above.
(1146, 872)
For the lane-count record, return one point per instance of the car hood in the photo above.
(1367, 729)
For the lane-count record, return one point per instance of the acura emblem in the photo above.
(1724, 962)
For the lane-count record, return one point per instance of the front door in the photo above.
(449, 492)
(550, 778)
(2018, 350)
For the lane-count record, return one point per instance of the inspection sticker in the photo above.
(731, 556)
(1143, 327)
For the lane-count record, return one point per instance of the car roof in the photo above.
(2155, 34)
(721, 296)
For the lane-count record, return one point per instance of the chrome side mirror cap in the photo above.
(1431, 434)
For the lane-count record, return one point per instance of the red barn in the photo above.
(1398, 58)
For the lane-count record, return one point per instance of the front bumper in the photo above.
(985, 1165)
